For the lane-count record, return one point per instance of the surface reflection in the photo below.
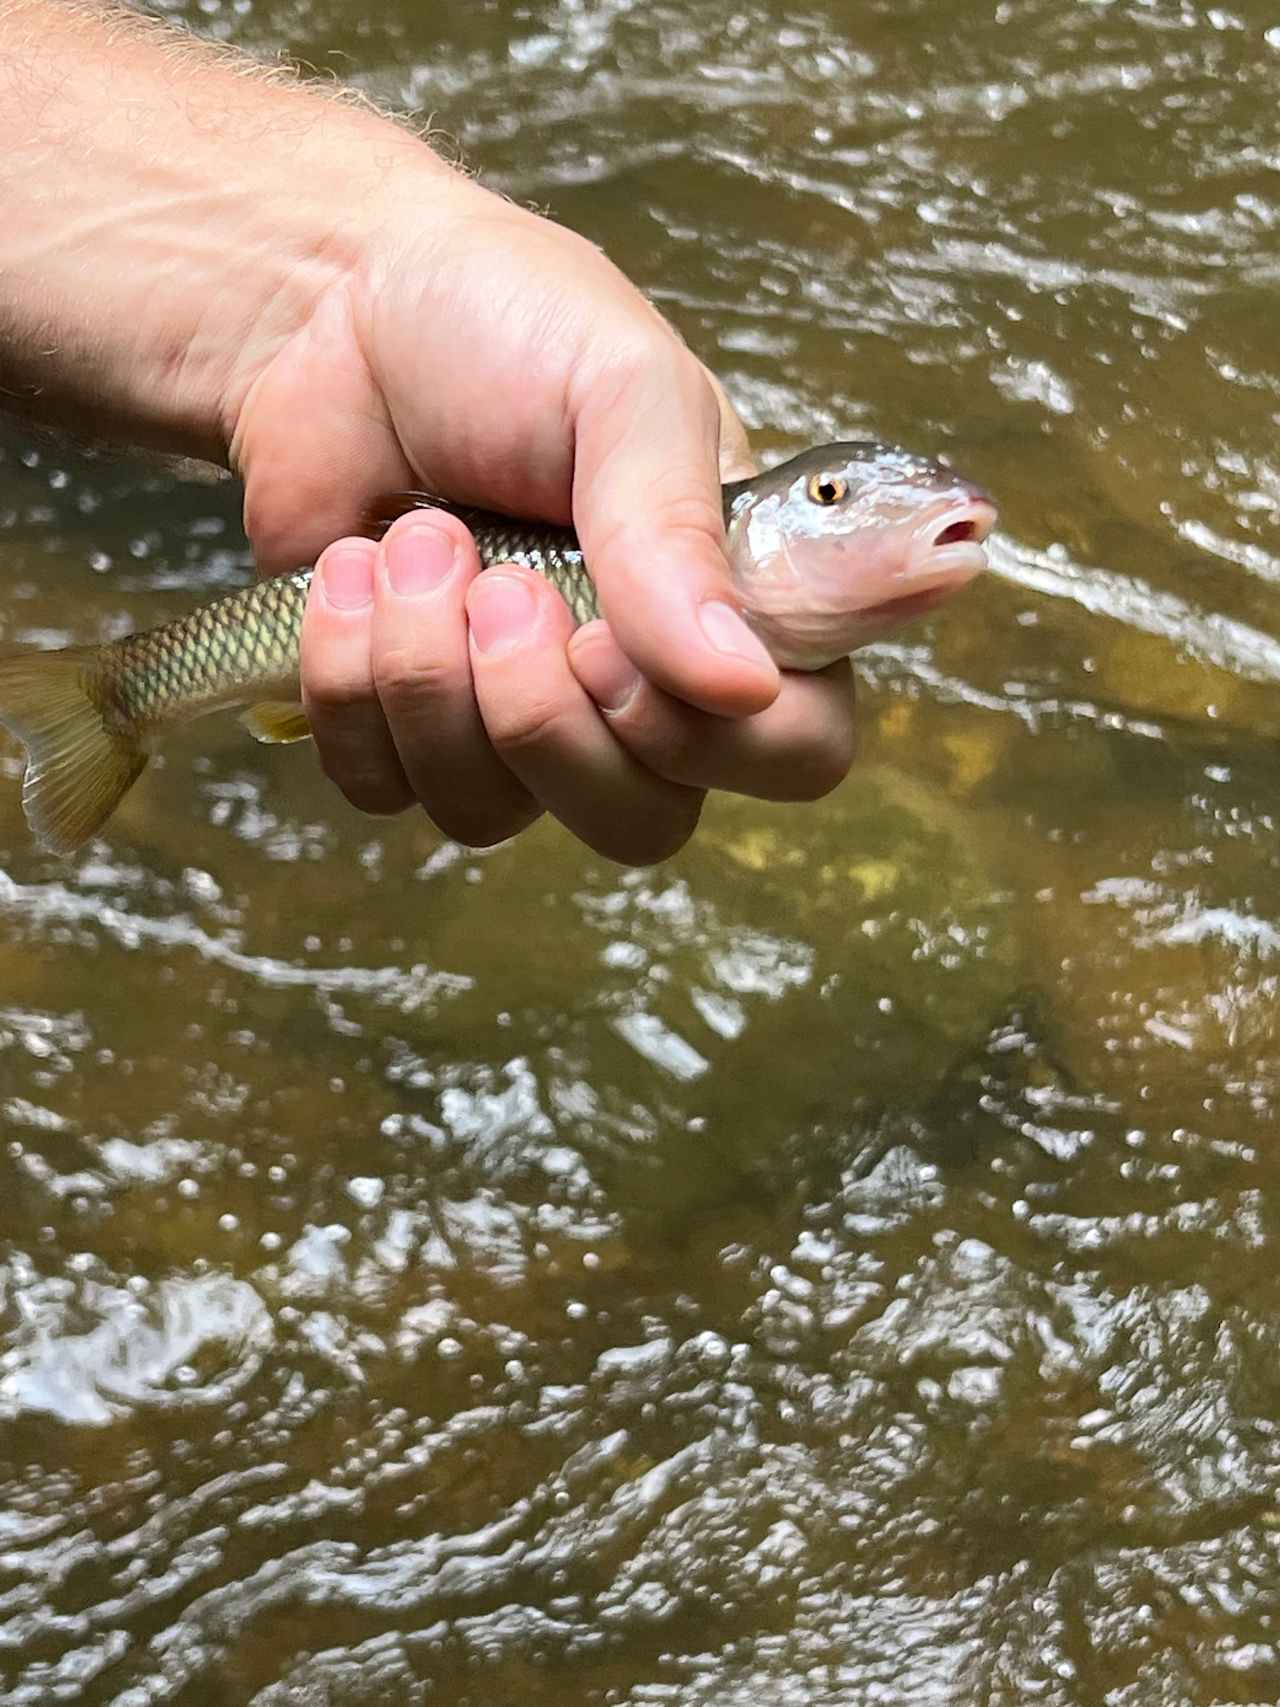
(837, 1265)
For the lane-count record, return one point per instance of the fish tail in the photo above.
(81, 760)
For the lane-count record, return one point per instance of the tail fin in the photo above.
(78, 766)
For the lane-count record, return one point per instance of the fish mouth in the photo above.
(949, 540)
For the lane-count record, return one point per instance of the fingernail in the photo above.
(500, 609)
(348, 579)
(729, 634)
(419, 559)
(608, 675)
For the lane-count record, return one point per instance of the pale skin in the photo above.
(203, 260)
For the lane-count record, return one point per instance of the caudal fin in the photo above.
(78, 766)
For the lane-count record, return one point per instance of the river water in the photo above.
(837, 1266)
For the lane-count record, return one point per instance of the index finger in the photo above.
(736, 459)
(648, 509)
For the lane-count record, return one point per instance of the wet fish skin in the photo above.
(248, 641)
(811, 542)
(89, 716)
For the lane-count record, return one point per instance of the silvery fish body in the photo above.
(243, 647)
(826, 550)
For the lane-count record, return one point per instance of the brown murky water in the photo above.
(839, 1266)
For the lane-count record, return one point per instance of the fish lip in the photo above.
(968, 555)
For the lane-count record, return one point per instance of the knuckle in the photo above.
(375, 795)
(687, 512)
(637, 352)
(534, 724)
(271, 524)
(675, 742)
(482, 830)
(401, 674)
(371, 782)
(673, 753)
(290, 520)
(328, 695)
(653, 838)
(688, 516)
(683, 516)
(813, 771)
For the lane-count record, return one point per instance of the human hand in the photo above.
(246, 268)
(479, 351)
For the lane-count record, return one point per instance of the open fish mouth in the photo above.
(949, 540)
(946, 551)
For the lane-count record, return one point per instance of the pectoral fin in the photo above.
(276, 721)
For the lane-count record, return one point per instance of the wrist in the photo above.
(172, 218)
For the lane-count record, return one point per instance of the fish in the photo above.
(827, 550)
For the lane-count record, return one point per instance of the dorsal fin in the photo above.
(390, 506)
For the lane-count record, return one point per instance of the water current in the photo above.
(838, 1266)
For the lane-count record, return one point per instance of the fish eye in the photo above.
(827, 489)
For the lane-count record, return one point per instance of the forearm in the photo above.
(170, 215)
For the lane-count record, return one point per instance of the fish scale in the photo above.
(200, 659)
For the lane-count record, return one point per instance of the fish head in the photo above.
(845, 542)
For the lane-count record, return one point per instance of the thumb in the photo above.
(647, 505)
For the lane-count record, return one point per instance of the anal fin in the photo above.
(276, 721)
